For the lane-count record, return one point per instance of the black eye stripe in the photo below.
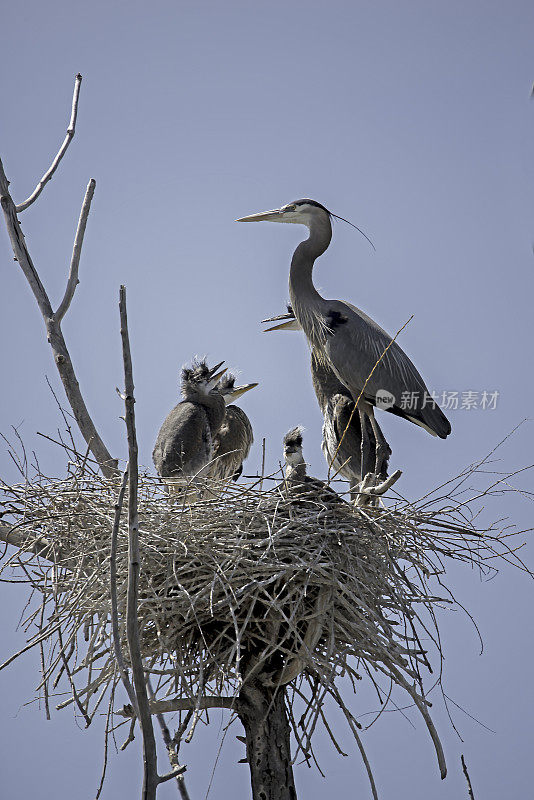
(306, 201)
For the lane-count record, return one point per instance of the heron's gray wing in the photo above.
(231, 444)
(183, 444)
(354, 346)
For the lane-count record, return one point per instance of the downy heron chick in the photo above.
(361, 354)
(233, 440)
(184, 446)
(297, 482)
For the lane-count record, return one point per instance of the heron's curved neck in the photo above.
(305, 299)
(215, 408)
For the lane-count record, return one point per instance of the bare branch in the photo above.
(75, 695)
(468, 779)
(62, 150)
(29, 543)
(181, 704)
(363, 754)
(172, 746)
(53, 330)
(150, 775)
(421, 704)
(76, 252)
(113, 591)
(176, 773)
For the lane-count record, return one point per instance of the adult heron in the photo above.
(184, 446)
(342, 431)
(360, 353)
(233, 440)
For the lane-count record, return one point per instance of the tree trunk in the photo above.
(262, 711)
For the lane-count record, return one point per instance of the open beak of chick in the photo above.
(214, 376)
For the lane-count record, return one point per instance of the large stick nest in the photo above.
(251, 582)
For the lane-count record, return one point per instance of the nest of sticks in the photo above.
(252, 582)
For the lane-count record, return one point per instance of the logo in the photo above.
(384, 399)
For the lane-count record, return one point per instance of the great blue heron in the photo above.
(342, 431)
(233, 440)
(297, 482)
(184, 446)
(359, 352)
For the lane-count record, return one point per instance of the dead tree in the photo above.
(262, 711)
(249, 600)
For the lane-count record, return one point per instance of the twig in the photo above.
(131, 734)
(75, 695)
(172, 747)
(421, 704)
(262, 462)
(468, 779)
(43, 668)
(363, 754)
(62, 150)
(150, 773)
(73, 280)
(181, 704)
(106, 742)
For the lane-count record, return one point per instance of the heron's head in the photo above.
(287, 322)
(199, 379)
(303, 212)
(293, 446)
(230, 391)
(299, 212)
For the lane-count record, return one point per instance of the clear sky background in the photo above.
(413, 120)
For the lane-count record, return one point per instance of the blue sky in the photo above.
(413, 120)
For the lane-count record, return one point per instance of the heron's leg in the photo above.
(370, 492)
(365, 446)
(382, 448)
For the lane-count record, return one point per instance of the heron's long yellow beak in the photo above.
(264, 216)
(290, 324)
(240, 390)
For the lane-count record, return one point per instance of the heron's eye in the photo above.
(290, 208)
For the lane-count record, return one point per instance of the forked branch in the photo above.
(53, 321)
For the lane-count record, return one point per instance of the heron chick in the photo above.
(233, 440)
(184, 445)
(297, 482)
